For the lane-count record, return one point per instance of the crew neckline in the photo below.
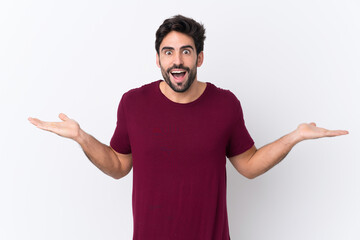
(204, 93)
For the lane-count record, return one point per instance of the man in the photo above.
(176, 135)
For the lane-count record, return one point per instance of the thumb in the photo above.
(63, 117)
(312, 123)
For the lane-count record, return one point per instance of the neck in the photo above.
(193, 93)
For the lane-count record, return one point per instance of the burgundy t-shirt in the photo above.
(179, 155)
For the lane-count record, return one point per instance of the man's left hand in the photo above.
(311, 131)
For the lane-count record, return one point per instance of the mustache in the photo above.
(178, 67)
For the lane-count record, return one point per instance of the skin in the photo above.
(251, 163)
(255, 162)
(104, 157)
(178, 49)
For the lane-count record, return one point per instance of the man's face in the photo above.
(178, 60)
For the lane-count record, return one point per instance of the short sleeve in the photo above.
(240, 139)
(120, 140)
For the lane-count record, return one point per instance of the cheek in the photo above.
(162, 62)
(192, 61)
(165, 64)
(162, 67)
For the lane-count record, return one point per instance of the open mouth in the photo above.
(178, 74)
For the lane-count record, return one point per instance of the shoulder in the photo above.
(226, 103)
(141, 92)
(222, 95)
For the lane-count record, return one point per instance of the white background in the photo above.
(288, 62)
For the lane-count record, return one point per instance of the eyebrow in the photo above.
(182, 47)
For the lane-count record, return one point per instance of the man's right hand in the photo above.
(68, 128)
(109, 161)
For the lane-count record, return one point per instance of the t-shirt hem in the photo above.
(121, 151)
(242, 150)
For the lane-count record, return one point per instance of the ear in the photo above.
(157, 60)
(200, 59)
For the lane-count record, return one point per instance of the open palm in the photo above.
(311, 131)
(68, 128)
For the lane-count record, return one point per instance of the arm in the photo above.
(253, 162)
(114, 164)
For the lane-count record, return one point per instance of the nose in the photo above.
(178, 59)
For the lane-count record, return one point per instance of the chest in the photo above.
(187, 137)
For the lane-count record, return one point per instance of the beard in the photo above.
(183, 86)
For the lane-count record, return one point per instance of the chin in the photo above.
(185, 85)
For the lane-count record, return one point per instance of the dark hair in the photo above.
(184, 25)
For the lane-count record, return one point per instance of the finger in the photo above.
(63, 117)
(312, 123)
(334, 133)
(48, 126)
(35, 121)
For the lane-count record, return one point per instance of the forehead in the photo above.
(176, 40)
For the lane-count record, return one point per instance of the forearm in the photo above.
(101, 155)
(271, 154)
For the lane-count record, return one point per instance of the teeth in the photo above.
(177, 71)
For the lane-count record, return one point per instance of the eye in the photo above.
(168, 52)
(186, 51)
